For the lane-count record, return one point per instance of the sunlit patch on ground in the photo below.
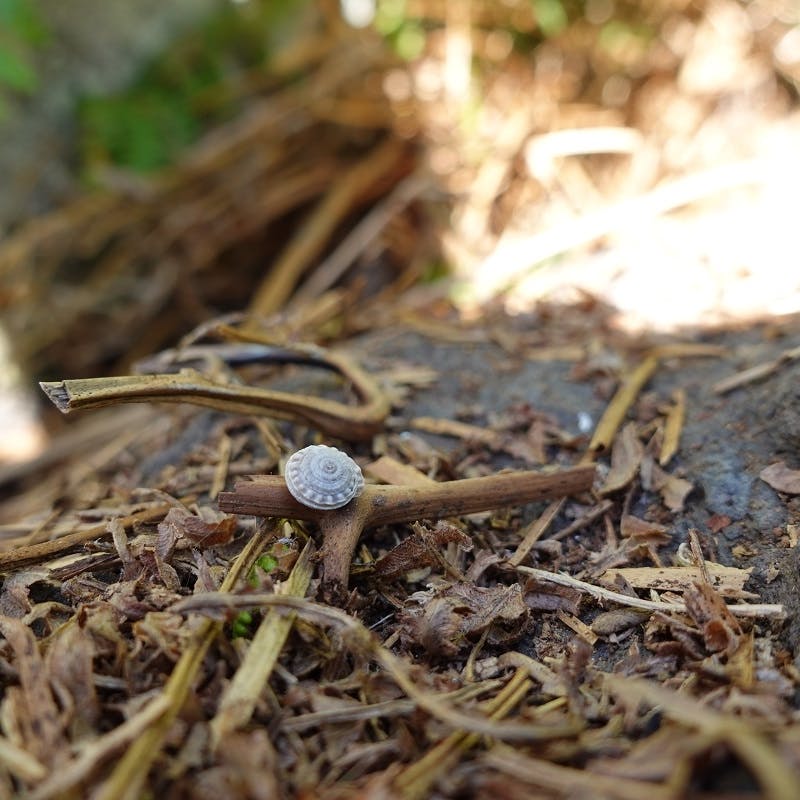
(666, 189)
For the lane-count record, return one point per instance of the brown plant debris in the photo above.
(563, 577)
(781, 478)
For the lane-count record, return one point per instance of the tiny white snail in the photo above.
(323, 477)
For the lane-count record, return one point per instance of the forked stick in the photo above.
(268, 496)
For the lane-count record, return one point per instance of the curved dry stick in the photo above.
(351, 423)
(267, 496)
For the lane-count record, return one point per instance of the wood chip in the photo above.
(460, 430)
(673, 427)
(581, 628)
(615, 413)
(389, 470)
(728, 581)
(626, 456)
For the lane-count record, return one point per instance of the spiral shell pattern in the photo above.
(323, 477)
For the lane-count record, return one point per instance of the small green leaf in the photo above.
(241, 625)
(267, 563)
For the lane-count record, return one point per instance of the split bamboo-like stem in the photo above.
(350, 422)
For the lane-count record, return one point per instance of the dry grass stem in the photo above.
(560, 779)
(616, 410)
(778, 781)
(361, 639)
(757, 373)
(130, 773)
(418, 779)
(34, 553)
(242, 693)
(673, 427)
(600, 593)
(533, 532)
(314, 233)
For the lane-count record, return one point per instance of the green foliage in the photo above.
(16, 70)
(142, 131)
(242, 625)
(551, 16)
(197, 83)
(267, 562)
(405, 35)
(21, 31)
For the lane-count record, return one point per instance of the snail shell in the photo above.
(323, 477)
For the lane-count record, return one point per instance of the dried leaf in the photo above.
(718, 522)
(31, 708)
(634, 527)
(544, 596)
(69, 663)
(438, 627)
(447, 622)
(673, 490)
(421, 549)
(620, 619)
(165, 631)
(707, 608)
(781, 478)
(626, 455)
(180, 523)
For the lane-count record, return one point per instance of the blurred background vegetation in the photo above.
(165, 162)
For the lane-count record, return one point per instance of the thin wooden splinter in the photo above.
(268, 496)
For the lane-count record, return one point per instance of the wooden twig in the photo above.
(34, 553)
(600, 593)
(757, 373)
(673, 427)
(267, 496)
(615, 412)
(352, 423)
